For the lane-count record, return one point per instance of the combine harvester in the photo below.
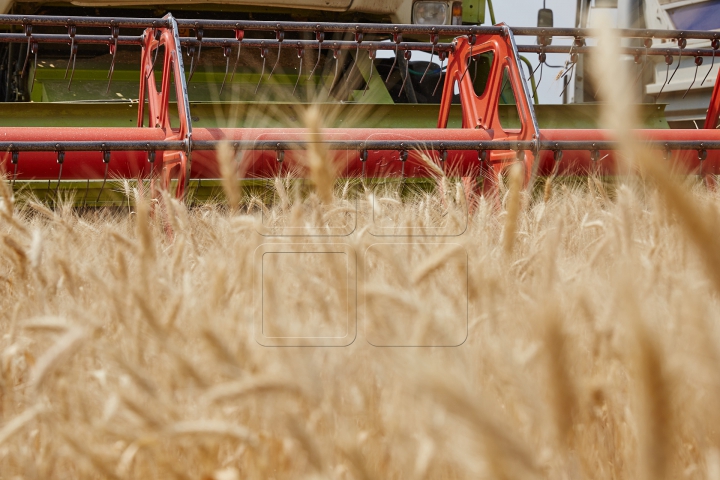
(165, 146)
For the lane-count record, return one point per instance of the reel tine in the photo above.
(263, 54)
(668, 62)
(72, 72)
(681, 44)
(239, 35)
(698, 62)
(475, 64)
(60, 160)
(194, 63)
(354, 65)
(34, 49)
(157, 38)
(407, 56)
(14, 156)
(226, 54)
(434, 40)
(371, 55)
(191, 54)
(336, 53)
(532, 74)
(156, 34)
(73, 48)
(542, 58)
(280, 35)
(715, 45)
(358, 38)
(113, 51)
(397, 38)
(28, 34)
(442, 62)
(432, 53)
(320, 37)
(570, 72)
(106, 160)
(300, 54)
(87, 188)
(471, 40)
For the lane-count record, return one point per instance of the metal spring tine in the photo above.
(570, 72)
(149, 177)
(239, 35)
(34, 50)
(397, 38)
(403, 154)
(573, 61)
(532, 75)
(467, 67)
(263, 54)
(715, 45)
(433, 40)
(681, 45)
(371, 55)
(320, 37)
(60, 160)
(358, 38)
(363, 154)
(191, 54)
(15, 155)
(280, 35)
(541, 74)
(300, 54)
(113, 51)
(698, 62)
(72, 73)
(542, 58)
(407, 56)
(194, 63)
(668, 62)
(354, 65)
(156, 34)
(28, 33)
(71, 32)
(151, 154)
(152, 69)
(106, 161)
(475, 64)
(471, 40)
(226, 54)
(442, 62)
(87, 188)
(563, 73)
(336, 53)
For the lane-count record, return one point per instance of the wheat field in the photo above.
(569, 333)
(587, 342)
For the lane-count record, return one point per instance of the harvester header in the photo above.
(163, 145)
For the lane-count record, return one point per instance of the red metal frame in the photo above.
(481, 112)
(176, 161)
